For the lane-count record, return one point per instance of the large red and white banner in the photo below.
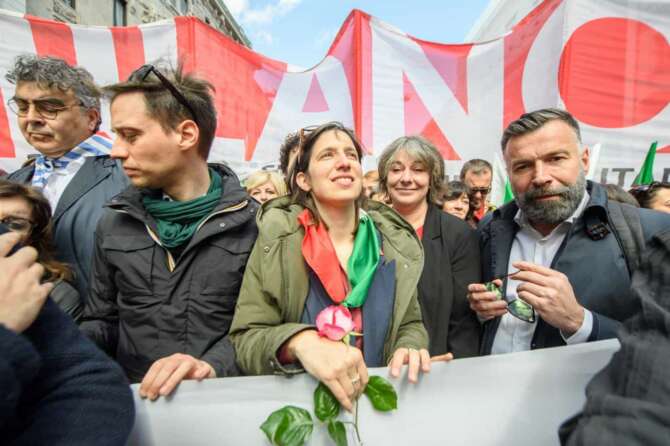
(607, 62)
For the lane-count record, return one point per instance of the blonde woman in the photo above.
(264, 185)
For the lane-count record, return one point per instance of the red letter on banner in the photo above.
(53, 39)
(246, 83)
(129, 49)
(6, 143)
(517, 47)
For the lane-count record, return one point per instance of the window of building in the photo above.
(120, 13)
(70, 3)
(183, 6)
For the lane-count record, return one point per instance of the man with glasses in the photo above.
(477, 174)
(58, 112)
(172, 248)
(561, 254)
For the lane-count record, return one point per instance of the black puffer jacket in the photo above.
(145, 305)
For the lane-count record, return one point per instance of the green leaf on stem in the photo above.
(288, 426)
(338, 432)
(382, 394)
(326, 405)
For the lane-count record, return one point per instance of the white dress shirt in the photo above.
(529, 245)
(58, 180)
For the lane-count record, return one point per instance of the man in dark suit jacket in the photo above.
(58, 111)
(560, 242)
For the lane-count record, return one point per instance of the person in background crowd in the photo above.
(568, 251)
(618, 193)
(411, 171)
(264, 185)
(455, 199)
(654, 196)
(369, 261)
(3, 173)
(58, 112)
(627, 401)
(287, 154)
(380, 197)
(56, 387)
(370, 183)
(171, 249)
(477, 174)
(25, 211)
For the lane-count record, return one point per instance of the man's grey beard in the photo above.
(552, 212)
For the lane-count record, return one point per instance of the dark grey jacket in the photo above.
(78, 211)
(145, 305)
(628, 402)
(597, 269)
(57, 388)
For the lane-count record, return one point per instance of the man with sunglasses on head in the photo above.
(477, 174)
(561, 254)
(172, 248)
(58, 111)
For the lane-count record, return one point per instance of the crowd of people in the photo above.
(176, 270)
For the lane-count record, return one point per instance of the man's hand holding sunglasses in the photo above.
(485, 302)
(551, 294)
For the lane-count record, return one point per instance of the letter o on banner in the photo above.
(615, 73)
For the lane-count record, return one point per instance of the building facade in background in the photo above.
(131, 12)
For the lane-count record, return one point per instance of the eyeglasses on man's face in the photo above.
(17, 224)
(47, 108)
(481, 190)
(141, 74)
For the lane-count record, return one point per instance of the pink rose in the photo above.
(334, 322)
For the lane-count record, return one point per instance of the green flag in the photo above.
(646, 175)
(509, 195)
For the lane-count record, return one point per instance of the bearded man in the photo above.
(561, 255)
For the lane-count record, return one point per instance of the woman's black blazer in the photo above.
(451, 262)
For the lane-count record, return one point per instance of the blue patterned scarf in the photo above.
(96, 145)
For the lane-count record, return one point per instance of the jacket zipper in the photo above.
(171, 262)
(233, 208)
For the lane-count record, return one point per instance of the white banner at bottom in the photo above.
(513, 399)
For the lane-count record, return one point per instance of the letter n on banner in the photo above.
(517, 47)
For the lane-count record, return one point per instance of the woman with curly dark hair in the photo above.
(24, 210)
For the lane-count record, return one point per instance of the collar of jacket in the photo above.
(432, 226)
(279, 218)
(130, 200)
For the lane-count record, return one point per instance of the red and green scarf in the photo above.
(320, 255)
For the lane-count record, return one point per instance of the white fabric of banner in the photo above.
(514, 399)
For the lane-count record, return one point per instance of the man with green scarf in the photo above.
(172, 248)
